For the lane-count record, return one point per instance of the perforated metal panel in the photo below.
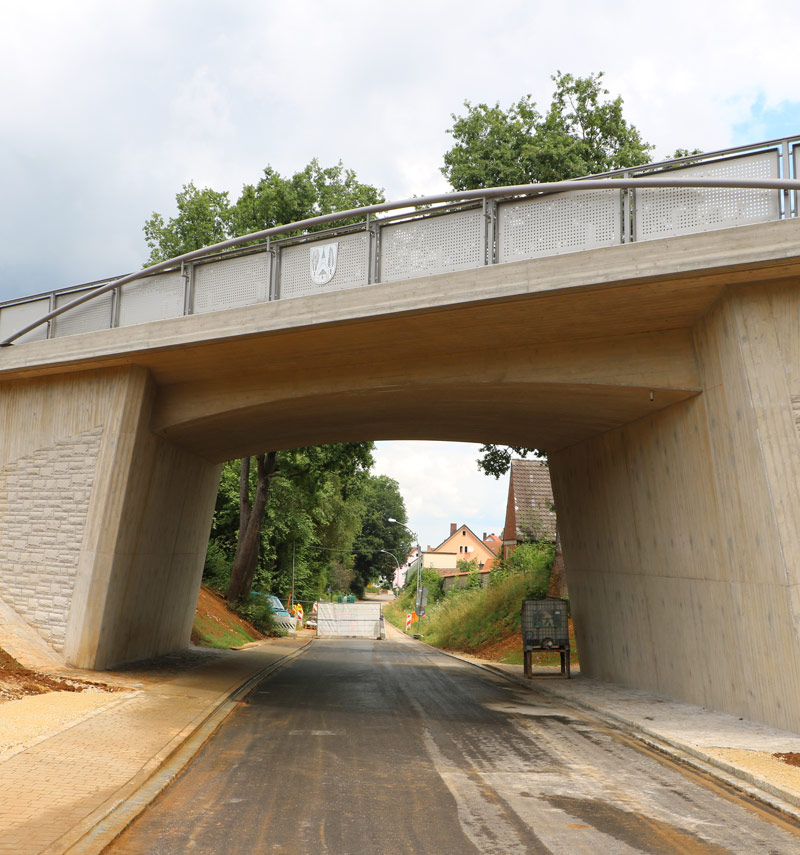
(13, 318)
(433, 245)
(564, 222)
(91, 316)
(663, 212)
(350, 272)
(151, 299)
(233, 282)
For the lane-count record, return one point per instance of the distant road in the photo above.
(362, 747)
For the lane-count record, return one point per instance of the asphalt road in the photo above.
(363, 747)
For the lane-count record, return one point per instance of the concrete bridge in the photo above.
(645, 333)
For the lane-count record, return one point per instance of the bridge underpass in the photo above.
(662, 378)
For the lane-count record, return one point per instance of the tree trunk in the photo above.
(251, 517)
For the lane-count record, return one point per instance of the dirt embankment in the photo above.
(16, 681)
(215, 625)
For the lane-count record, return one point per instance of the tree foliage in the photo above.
(204, 218)
(582, 133)
(312, 516)
(383, 502)
(207, 216)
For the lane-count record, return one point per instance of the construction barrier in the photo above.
(349, 620)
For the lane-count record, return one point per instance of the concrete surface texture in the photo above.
(680, 531)
(660, 376)
(102, 558)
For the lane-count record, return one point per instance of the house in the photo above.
(493, 542)
(530, 512)
(462, 545)
(531, 515)
(401, 572)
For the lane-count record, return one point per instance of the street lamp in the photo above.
(419, 558)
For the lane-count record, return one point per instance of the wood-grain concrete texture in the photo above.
(682, 530)
(656, 374)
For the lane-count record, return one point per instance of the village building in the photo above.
(531, 515)
(462, 545)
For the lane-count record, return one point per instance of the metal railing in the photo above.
(393, 241)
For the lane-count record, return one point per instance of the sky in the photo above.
(108, 109)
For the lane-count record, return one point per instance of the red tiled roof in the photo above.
(533, 500)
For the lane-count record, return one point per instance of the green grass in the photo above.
(471, 619)
(467, 619)
(209, 633)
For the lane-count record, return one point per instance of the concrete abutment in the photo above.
(681, 531)
(104, 523)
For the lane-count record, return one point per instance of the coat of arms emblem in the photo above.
(322, 262)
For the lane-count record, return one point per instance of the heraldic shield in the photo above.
(322, 262)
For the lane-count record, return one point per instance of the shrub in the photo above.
(257, 611)
(217, 568)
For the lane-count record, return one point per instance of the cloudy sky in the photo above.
(109, 108)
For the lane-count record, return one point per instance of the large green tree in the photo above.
(208, 216)
(383, 502)
(582, 133)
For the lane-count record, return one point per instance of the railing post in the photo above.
(485, 231)
(271, 262)
(51, 327)
(370, 277)
(275, 274)
(785, 172)
(187, 273)
(116, 300)
(627, 212)
(375, 251)
(490, 212)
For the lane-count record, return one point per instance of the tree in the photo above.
(581, 134)
(382, 502)
(308, 524)
(251, 517)
(204, 218)
(207, 216)
(315, 190)
(496, 459)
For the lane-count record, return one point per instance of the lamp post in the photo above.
(397, 563)
(419, 558)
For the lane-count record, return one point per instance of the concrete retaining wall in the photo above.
(680, 531)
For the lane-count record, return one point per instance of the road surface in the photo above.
(363, 747)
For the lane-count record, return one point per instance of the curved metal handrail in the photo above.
(452, 197)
